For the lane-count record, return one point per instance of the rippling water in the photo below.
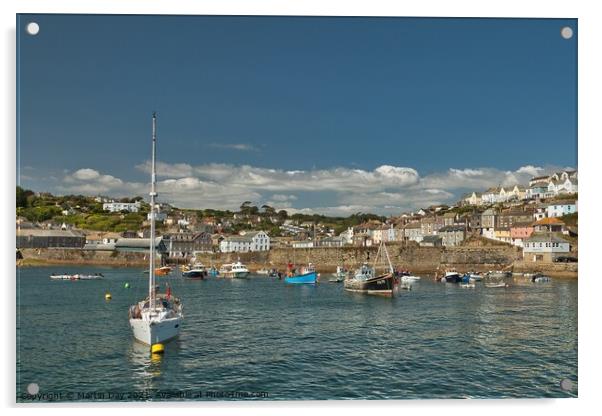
(297, 342)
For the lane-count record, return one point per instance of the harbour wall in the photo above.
(423, 260)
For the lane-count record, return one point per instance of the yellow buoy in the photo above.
(108, 296)
(157, 349)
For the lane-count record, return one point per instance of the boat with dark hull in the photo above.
(197, 271)
(367, 281)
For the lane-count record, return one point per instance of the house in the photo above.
(452, 235)
(519, 232)
(449, 218)
(413, 232)
(541, 211)
(44, 238)
(549, 225)
(121, 206)
(506, 219)
(185, 245)
(248, 242)
(519, 192)
(544, 247)
(347, 235)
(502, 234)
(473, 199)
(538, 190)
(159, 216)
(490, 196)
(559, 209)
(488, 222)
(431, 241)
(430, 225)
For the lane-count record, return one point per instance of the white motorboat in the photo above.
(540, 278)
(497, 285)
(234, 270)
(157, 318)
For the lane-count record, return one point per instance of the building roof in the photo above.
(545, 238)
(549, 221)
(136, 242)
(413, 225)
(41, 232)
(449, 215)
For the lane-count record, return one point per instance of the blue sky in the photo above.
(370, 114)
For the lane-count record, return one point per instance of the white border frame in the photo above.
(590, 68)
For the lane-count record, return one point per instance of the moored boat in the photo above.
(78, 276)
(157, 318)
(540, 278)
(340, 275)
(497, 285)
(306, 275)
(498, 274)
(196, 271)
(452, 277)
(234, 271)
(367, 281)
(407, 277)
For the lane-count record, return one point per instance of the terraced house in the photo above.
(249, 242)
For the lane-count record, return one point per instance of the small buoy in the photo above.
(157, 349)
(126, 285)
(108, 296)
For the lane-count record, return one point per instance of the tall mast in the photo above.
(153, 194)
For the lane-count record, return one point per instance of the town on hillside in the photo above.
(539, 217)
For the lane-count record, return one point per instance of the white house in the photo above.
(249, 242)
(159, 216)
(491, 196)
(347, 235)
(121, 206)
(544, 247)
(561, 208)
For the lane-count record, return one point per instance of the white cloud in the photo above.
(86, 174)
(337, 191)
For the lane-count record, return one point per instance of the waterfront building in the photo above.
(48, 238)
(544, 247)
(331, 242)
(248, 242)
(184, 245)
(452, 235)
(140, 245)
(121, 206)
(347, 235)
(302, 244)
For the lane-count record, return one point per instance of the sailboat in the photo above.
(368, 282)
(157, 318)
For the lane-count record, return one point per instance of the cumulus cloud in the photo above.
(386, 189)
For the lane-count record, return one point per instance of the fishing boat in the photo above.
(157, 318)
(540, 278)
(367, 281)
(305, 275)
(340, 275)
(196, 271)
(213, 271)
(234, 270)
(95, 276)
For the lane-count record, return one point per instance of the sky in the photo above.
(309, 114)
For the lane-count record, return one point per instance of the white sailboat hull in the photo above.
(155, 332)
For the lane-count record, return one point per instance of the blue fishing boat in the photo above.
(307, 275)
